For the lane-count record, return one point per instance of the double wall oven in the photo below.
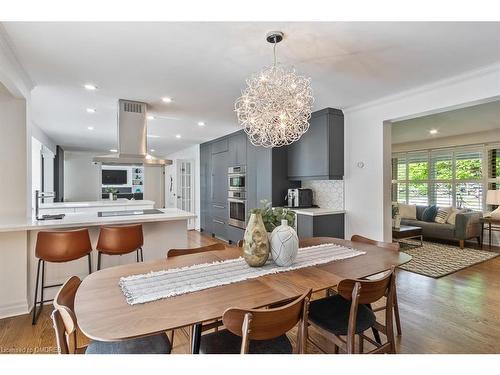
(236, 201)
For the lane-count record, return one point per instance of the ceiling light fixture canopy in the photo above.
(276, 105)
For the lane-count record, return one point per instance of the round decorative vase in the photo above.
(284, 244)
(256, 242)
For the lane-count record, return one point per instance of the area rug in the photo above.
(437, 260)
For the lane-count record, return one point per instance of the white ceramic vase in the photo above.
(284, 244)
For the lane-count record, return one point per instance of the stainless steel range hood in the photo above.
(132, 137)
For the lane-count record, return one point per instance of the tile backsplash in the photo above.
(327, 193)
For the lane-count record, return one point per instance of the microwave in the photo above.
(236, 178)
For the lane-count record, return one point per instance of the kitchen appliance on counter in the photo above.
(236, 177)
(300, 197)
(236, 201)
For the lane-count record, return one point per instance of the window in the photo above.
(456, 177)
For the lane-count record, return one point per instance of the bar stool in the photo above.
(119, 240)
(58, 247)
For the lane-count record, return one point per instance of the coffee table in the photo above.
(406, 232)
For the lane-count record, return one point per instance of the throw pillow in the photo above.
(407, 211)
(442, 215)
(429, 214)
(453, 215)
(420, 211)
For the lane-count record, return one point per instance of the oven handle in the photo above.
(237, 200)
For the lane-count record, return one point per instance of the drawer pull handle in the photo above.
(218, 221)
(218, 206)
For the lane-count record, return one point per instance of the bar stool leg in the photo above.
(34, 319)
(98, 260)
(142, 255)
(90, 264)
(137, 255)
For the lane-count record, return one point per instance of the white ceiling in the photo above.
(478, 118)
(203, 66)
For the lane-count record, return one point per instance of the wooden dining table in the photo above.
(104, 315)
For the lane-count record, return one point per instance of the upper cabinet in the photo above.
(238, 149)
(319, 153)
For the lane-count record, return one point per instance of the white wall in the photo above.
(82, 178)
(13, 203)
(154, 185)
(366, 192)
(13, 154)
(190, 153)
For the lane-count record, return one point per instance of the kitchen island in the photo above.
(162, 231)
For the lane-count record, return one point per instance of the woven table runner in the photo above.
(173, 282)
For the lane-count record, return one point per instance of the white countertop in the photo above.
(317, 211)
(72, 220)
(101, 203)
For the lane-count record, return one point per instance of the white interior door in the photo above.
(185, 188)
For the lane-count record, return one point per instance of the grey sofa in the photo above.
(466, 227)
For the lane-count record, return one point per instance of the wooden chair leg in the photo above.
(170, 336)
(462, 244)
(335, 349)
(361, 341)
(396, 314)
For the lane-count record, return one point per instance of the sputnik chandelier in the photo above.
(275, 108)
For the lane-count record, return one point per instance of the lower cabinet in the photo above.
(234, 234)
(219, 228)
(320, 226)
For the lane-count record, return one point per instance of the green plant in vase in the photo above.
(112, 193)
(272, 216)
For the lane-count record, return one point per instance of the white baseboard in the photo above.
(13, 309)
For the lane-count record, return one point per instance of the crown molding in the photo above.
(494, 68)
(12, 72)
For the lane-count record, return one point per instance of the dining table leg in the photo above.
(196, 337)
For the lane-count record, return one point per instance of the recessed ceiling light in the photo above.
(150, 117)
(178, 136)
(433, 131)
(90, 127)
(166, 99)
(90, 86)
(201, 123)
(113, 150)
(153, 136)
(91, 110)
(152, 150)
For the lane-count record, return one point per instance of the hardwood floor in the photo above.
(459, 313)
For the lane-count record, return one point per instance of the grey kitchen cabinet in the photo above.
(319, 153)
(320, 225)
(266, 178)
(220, 145)
(237, 149)
(205, 187)
(218, 183)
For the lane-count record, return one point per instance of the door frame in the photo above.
(178, 162)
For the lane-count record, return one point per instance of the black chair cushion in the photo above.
(332, 314)
(224, 342)
(156, 344)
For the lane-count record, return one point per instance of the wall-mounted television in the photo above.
(114, 176)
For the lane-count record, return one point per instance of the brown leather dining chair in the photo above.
(348, 314)
(393, 246)
(66, 330)
(58, 247)
(260, 331)
(120, 240)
